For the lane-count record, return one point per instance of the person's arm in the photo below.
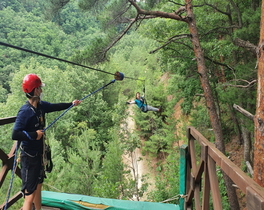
(60, 106)
(26, 136)
(22, 130)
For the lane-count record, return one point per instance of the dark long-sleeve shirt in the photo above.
(29, 120)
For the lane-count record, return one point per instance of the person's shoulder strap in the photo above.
(31, 107)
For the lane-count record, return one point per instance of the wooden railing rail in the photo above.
(201, 176)
(7, 165)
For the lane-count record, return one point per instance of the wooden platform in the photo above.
(49, 208)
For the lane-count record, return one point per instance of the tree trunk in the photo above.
(215, 121)
(236, 124)
(247, 141)
(255, 4)
(259, 116)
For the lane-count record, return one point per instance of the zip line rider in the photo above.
(28, 130)
(140, 102)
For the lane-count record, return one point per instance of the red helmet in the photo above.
(30, 82)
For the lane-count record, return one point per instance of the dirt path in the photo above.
(140, 165)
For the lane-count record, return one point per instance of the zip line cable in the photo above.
(59, 59)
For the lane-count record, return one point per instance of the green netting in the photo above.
(68, 202)
(182, 174)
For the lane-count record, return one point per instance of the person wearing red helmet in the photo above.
(30, 82)
(28, 130)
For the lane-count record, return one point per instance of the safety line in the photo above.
(74, 104)
(12, 176)
(59, 59)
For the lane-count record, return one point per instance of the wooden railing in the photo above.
(202, 182)
(7, 165)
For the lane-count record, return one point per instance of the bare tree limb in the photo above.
(176, 3)
(232, 26)
(143, 14)
(217, 28)
(160, 14)
(172, 39)
(241, 86)
(249, 167)
(218, 10)
(120, 14)
(239, 16)
(119, 37)
(244, 112)
(218, 63)
(246, 44)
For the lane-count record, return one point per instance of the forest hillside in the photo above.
(156, 56)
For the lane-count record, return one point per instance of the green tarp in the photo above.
(183, 151)
(68, 201)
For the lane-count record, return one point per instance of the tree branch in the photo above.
(218, 10)
(246, 44)
(241, 86)
(119, 37)
(232, 26)
(172, 39)
(218, 63)
(244, 112)
(160, 14)
(238, 13)
(176, 3)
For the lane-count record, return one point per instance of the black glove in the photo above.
(127, 102)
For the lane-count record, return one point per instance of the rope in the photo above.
(73, 105)
(145, 94)
(59, 59)
(12, 176)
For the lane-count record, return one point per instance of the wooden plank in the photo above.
(199, 172)
(49, 208)
(246, 184)
(197, 196)
(3, 174)
(7, 120)
(206, 189)
(204, 151)
(214, 184)
(234, 172)
(12, 200)
(193, 155)
(188, 182)
(254, 200)
(13, 149)
(241, 179)
(189, 197)
(3, 156)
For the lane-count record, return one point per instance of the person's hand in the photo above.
(127, 102)
(40, 134)
(76, 102)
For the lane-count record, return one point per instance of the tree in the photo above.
(209, 97)
(202, 70)
(259, 116)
